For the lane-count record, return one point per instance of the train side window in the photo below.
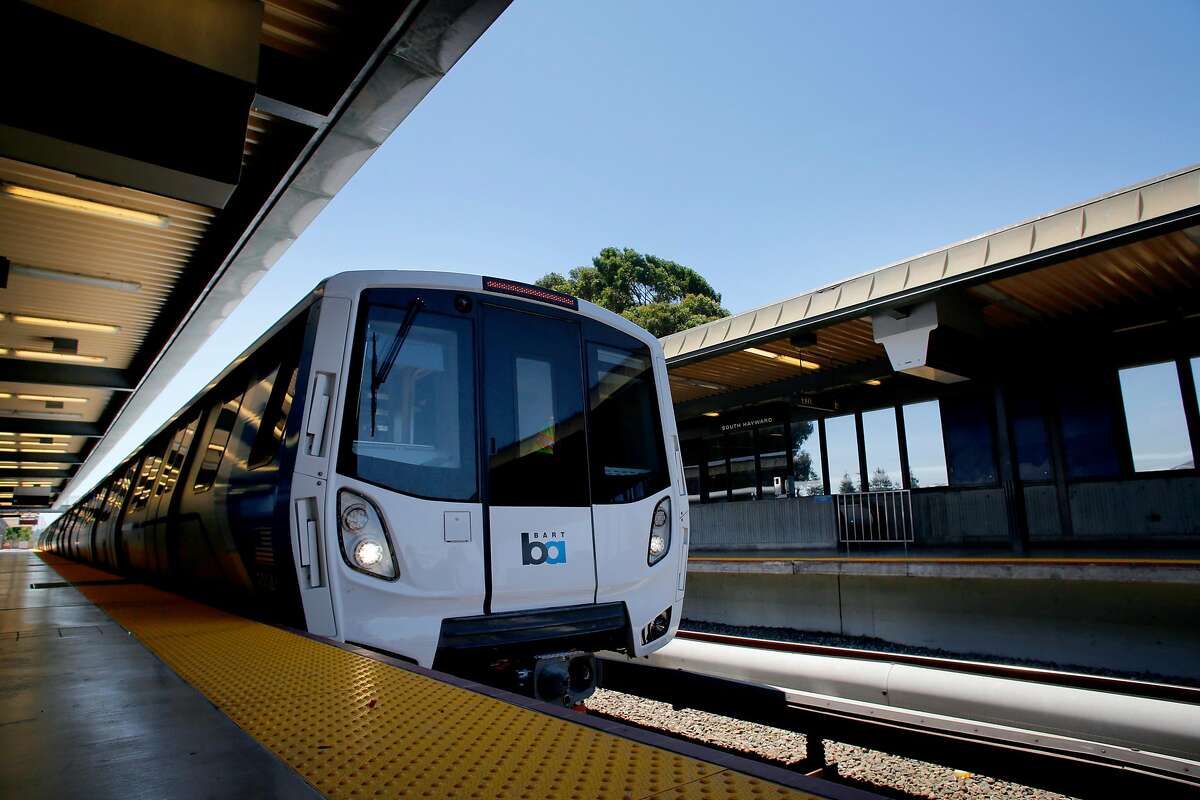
(116, 497)
(164, 474)
(274, 421)
(218, 441)
(254, 406)
(146, 478)
(170, 472)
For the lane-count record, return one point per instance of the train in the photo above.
(472, 474)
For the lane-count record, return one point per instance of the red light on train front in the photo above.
(530, 292)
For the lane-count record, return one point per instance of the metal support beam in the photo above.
(809, 382)
(37, 458)
(1010, 476)
(23, 425)
(17, 370)
(34, 474)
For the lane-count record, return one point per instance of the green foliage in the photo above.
(881, 481)
(660, 295)
(847, 485)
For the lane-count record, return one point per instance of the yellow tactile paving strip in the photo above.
(356, 727)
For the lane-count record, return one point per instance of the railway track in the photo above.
(1082, 735)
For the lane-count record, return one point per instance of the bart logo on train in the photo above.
(553, 551)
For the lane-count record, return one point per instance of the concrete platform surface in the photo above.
(87, 711)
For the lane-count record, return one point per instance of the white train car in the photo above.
(471, 473)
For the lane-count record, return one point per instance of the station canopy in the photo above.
(1069, 285)
(156, 159)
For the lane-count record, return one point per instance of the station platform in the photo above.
(1169, 567)
(117, 689)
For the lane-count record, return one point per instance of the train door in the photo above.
(541, 547)
(312, 516)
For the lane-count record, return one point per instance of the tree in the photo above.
(881, 481)
(660, 295)
(847, 485)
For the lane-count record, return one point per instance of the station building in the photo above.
(1029, 388)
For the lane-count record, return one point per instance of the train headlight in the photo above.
(355, 517)
(368, 553)
(660, 532)
(366, 546)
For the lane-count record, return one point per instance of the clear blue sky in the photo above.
(773, 146)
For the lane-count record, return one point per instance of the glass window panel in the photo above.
(926, 449)
(693, 454)
(1030, 439)
(534, 407)
(274, 425)
(218, 440)
(417, 435)
(806, 458)
(772, 458)
(967, 426)
(629, 460)
(882, 445)
(1087, 430)
(841, 442)
(1158, 433)
(740, 448)
(718, 471)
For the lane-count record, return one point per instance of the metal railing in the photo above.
(883, 517)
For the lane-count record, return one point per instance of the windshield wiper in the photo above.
(380, 372)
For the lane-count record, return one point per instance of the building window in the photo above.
(841, 443)
(806, 458)
(1089, 445)
(740, 448)
(1154, 417)
(882, 446)
(926, 449)
(717, 471)
(967, 427)
(772, 458)
(693, 454)
(1031, 443)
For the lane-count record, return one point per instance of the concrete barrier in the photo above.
(785, 523)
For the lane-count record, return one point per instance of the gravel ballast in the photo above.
(903, 776)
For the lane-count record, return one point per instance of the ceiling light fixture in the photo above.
(85, 206)
(47, 322)
(46, 355)
(40, 435)
(50, 398)
(712, 413)
(795, 362)
(873, 382)
(73, 277)
(5, 396)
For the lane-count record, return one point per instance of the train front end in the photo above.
(488, 480)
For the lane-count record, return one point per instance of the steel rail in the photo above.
(1045, 758)
(1079, 680)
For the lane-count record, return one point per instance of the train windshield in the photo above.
(569, 408)
(415, 429)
